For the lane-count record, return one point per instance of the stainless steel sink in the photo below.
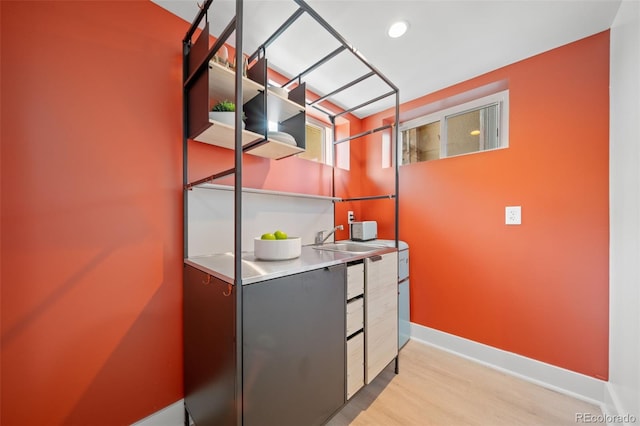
(347, 247)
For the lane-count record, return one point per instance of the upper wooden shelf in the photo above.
(222, 84)
(223, 135)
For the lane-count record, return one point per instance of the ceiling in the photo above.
(448, 41)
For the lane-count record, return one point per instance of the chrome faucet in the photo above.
(320, 234)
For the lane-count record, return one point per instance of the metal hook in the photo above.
(229, 290)
(208, 280)
(206, 12)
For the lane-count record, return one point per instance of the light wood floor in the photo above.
(435, 387)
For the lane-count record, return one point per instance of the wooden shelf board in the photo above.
(274, 150)
(222, 135)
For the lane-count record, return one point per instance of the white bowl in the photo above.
(226, 117)
(277, 249)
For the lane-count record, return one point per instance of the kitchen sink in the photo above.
(348, 247)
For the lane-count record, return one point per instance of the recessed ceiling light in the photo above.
(397, 29)
(475, 132)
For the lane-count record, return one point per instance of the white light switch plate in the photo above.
(513, 215)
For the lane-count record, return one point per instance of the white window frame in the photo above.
(501, 98)
(327, 139)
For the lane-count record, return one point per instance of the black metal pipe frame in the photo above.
(334, 131)
(196, 21)
(237, 25)
(342, 40)
(302, 4)
(316, 65)
(277, 33)
(365, 133)
(210, 178)
(237, 244)
(372, 197)
(369, 102)
(396, 161)
(304, 7)
(327, 113)
(340, 89)
(185, 149)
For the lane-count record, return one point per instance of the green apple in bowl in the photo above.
(279, 235)
(268, 236)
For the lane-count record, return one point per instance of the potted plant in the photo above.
(224, 112)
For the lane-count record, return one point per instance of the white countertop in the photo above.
(254, 270)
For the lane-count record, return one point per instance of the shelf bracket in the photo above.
(210, 178)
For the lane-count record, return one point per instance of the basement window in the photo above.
(471, 127)
(319, 141)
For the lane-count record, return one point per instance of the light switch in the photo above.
(513, 215)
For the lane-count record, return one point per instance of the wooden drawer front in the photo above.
(355, 280)
(355, 364)
(355, 316)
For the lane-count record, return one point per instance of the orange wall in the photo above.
(91, 212)
(92, 209)
(539, 289)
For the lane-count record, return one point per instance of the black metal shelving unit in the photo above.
(196, 58)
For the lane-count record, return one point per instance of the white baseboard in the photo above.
(614, 411)
(549, 376)
(171, 415)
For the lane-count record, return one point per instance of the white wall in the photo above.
(211, 218)
(624, 333)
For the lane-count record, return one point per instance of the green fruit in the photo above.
(280, 235)
(268, 236)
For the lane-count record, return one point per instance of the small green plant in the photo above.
(224, 106)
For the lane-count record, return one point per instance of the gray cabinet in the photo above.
(293, 352)
(293, 361)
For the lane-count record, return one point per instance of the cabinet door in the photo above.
(294, 348)
(381, 313)
(209, 349)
